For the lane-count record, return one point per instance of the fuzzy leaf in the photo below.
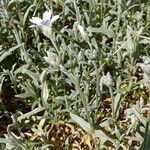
(9, 52)
(83, 124)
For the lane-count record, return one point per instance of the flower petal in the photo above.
(54, 19)
(32, 26)
(36, 20)
(47, 15)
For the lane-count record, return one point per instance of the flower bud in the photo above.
(43, 76)
(47, 32)
(138, 15)
(52, 59)
(91, 54)
(44, 91)
(107, 80)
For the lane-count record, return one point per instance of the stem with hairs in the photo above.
(112, 100)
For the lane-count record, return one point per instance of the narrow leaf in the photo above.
(83, 124)
(9, 52)
(27, 115)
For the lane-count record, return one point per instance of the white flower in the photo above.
(46, 23)
(83, 33)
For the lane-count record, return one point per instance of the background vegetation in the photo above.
(95, 97)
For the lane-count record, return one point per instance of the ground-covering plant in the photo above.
(74, 74)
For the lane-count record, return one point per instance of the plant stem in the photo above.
(102, 10)
(54, 44)
(148, 114)
(112, 100)
(146, 138)
(97, 82)
(83, 97)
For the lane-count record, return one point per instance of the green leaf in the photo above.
(117, 103)
(26, 14)
(146, 142)
(24, 95)
(44, 91)
(27, 115)
(33, 75)
(9, 52)
(100, 134)
(141, 118)
(109, 32)
(4, 140)
(29, 91)
(83, 124)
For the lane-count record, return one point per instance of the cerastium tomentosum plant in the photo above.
(107, 80)
(74, 47)
(146, 78)
(91, 54)
(55, 61)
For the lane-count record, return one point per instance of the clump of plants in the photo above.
(74, 74)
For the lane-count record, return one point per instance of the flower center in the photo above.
(46, 23)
